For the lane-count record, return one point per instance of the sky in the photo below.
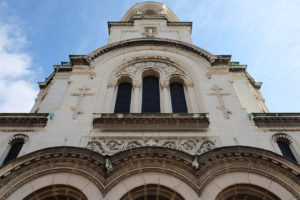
(37, 34)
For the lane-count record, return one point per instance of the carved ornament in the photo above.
(167, 68)
(18, 137)
(190, 146)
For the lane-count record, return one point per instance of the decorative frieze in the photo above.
(190, 146)
(167, 68)
(151, 121)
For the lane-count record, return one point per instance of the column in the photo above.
(135, 102)
(167, 108)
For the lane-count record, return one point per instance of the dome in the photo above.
(150, 8)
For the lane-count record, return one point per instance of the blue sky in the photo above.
(264, 34)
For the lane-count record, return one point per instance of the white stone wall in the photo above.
(73, 115)
(64, 129)
(160, 29)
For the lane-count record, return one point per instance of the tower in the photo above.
(150, 116)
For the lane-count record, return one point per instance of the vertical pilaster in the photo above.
(109, 97)
(192, 97)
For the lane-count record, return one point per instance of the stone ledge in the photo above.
(151, 121)
(23, 120)
(276, 119)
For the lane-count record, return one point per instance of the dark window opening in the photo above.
(178, 98)
(14, 151)
(286, 150)
(151, 98)
(123, 98)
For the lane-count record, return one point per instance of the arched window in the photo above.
(151, 98)
(57, 192)
(149, 192)
(285, 149)
(14, 150)
(284, 143)
(178, 98)
(246, 191)
(123, 98)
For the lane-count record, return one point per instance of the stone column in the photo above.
(135, 106)
(192, 97)
(109, 97)
(167, 108)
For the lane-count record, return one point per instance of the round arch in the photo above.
(216, 169)
(57, 192)
(246, 191)
(154, 180)
(152, 191)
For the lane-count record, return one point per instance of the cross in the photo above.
(219, 95)
(149, 31)
(77, 108)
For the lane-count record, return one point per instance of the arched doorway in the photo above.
(55, 192)
(246, 192)
(152, 192)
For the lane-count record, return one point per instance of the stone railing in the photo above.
(151, 121)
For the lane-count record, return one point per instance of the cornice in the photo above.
(87, 59)
(131, 23)
(28, 120)
(143, 121)
(158, 42)
(272, 120)
(63, 67)
(78, 60)
(236, 67)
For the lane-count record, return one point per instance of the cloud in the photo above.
(16, 89)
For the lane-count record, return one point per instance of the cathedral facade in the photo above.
(150, 116)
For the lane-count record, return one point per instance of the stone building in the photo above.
(150, 116)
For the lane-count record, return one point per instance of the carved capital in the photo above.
(164, 84)
(137, 83)
(189, 83)
(112, 83)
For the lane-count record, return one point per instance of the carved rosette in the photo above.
(190, 146)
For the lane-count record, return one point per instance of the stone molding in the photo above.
(88, 59)
(166, 72)
(130, 24)
(279, 120)
(190, 146)
(282, 137)
(151, 121)
(18, 137)
(149, 159)
(158, 42)
(27, 120)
